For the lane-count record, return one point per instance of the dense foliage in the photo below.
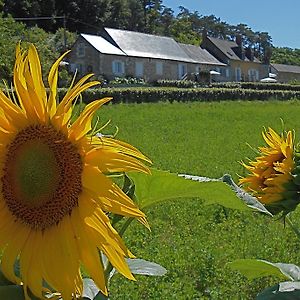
(49, 45)
(140, 15)
(286, 56)
(52, 25)
(160, 94)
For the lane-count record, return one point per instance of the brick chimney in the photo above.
(250, 53)
(240, 51)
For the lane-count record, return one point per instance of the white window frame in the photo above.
(118, 67)
(159, 68)
(139, 69)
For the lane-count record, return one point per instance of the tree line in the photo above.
(62, 20)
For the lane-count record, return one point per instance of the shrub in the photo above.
(258, 86)
(127, 81)
(139, 95)
(175, 83)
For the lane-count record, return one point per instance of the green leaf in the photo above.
(14, 292)
(243, 195)
(255, 268)
(4, 281)
(161, 186)
(91, 291)
(274, 292)
(144, 267)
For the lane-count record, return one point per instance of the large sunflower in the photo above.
(55, 191)
(272, 170)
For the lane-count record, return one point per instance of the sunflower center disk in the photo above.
(41, 179)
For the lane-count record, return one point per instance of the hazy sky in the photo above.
(280, 18)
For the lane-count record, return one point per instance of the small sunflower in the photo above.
(270, 177)
(55, 192)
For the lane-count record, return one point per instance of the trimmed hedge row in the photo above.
(175, 83)
(257, 86)
(139, 95)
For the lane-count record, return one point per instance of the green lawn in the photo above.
(192, 241)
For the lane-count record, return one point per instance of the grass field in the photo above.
(192, 241)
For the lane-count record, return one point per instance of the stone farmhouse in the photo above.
(121, 53)
(285, 73)
(241, 64)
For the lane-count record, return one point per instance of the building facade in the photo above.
(121, 53)
(241, 63)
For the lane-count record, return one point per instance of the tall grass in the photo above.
(192, 241)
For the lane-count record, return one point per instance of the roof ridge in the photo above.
(139, 32)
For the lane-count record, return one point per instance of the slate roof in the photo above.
(102, 45)
(286, 68)
(227, 47)
(200, 55)
(147, 45)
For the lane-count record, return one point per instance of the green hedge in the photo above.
(175, 83)
(257, 86)
(139, 95)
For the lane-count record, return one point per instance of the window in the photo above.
(159, 68)
(197, 69)
(238, 74)
(227, 73)
(182, 71)
(139, 69)
(253, 75)
(118, 67)
(80, 50)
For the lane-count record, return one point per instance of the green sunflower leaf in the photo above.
(14, 292)
(4, 281)
(91, 291)
(243, 195)
(144, 267)
(255, 268)
(11, 292)
(282, 291)
(161, 186)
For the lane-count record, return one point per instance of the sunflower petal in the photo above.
(52, 80)
(103, 187)
(83, 123)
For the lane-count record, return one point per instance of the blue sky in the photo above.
(280, 18)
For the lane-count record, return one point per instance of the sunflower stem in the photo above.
(293, 227)
(110, 267)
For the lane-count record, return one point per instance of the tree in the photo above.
(10, 33)
(285, 55)
(136, 16)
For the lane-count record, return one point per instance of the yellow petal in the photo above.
(11, 252)
(108, 160)
(83, 123)
(101, 186)
(65, 106)
(52, 80)
(89, 254)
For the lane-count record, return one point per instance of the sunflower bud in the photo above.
(274, 176)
